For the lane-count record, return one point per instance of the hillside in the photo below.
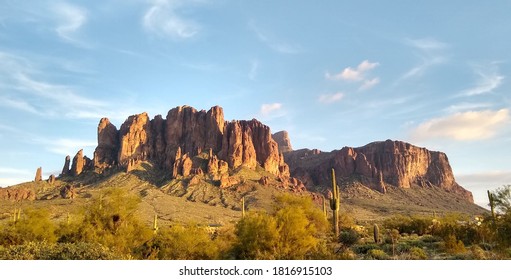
(195, 166)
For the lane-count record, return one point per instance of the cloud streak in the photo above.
(273, 43)
(26, 90)
(330, 98)
(487, 82)
(467, 126)
(430, 53)
(70, 19)
(162, 19)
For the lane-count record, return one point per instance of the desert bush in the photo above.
(349, 237)
(453, 246)
(110, 220)
(477, 253)
(364, 248)
(417, 253)
(184, 242)
(430, 238)
(409, 225)
(257, 236)
(34, 226)
(292, 231)
(58, 251)
(376, 254)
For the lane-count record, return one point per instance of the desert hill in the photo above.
(195, 166)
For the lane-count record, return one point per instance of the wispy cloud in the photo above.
(26, 89)
(163, 19)
(254, 67)
(426, 44)
(467, 126)
(274, 43)
(267, 109)
(70, 18)
(65, 146)
(488, 80)
(330, 98)
(367, 84)
(466, 106)
(430, 53)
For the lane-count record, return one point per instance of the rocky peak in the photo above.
(282, 139)
(67, 163)
(106, 152)
(377, 165)
(80, 164)
(171, 143)
(39, 174)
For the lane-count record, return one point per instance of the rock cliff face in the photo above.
(282, 139)
(377, 165)
(185, 133)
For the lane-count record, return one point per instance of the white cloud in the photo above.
(273, 43)
(330, 98)
(162, 18)
(268, 109)
(487, 82)
(467, 126)
(357, 75)
(353, 74)
(70, 19)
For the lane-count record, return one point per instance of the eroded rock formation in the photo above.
(376, 165)
(171, 143)
(282, 139)
(38, 175)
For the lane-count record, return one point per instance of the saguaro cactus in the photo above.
(243, 207)
(335, 201)
(155, 223)
(376, 233)
(492, 205)
(324, 207)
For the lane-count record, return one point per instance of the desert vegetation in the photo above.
(107, 227)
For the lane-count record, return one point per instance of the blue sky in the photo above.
(340, 73)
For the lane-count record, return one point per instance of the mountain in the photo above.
(377, 165)
(194, 165)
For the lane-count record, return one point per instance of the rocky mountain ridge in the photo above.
(200, 147)
(377, 165)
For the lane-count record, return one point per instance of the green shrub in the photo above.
(188, 242)
(34, 226)
(364, 248)
(59, 251)
(349, 237)
(418, 254)
(454, 246)
(376, 254)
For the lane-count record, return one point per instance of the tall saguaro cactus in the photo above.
(335, 201)
(376, 233)
(492, 205)
(243, 207)
(155, 224)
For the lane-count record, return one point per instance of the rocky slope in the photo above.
(377, 165)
